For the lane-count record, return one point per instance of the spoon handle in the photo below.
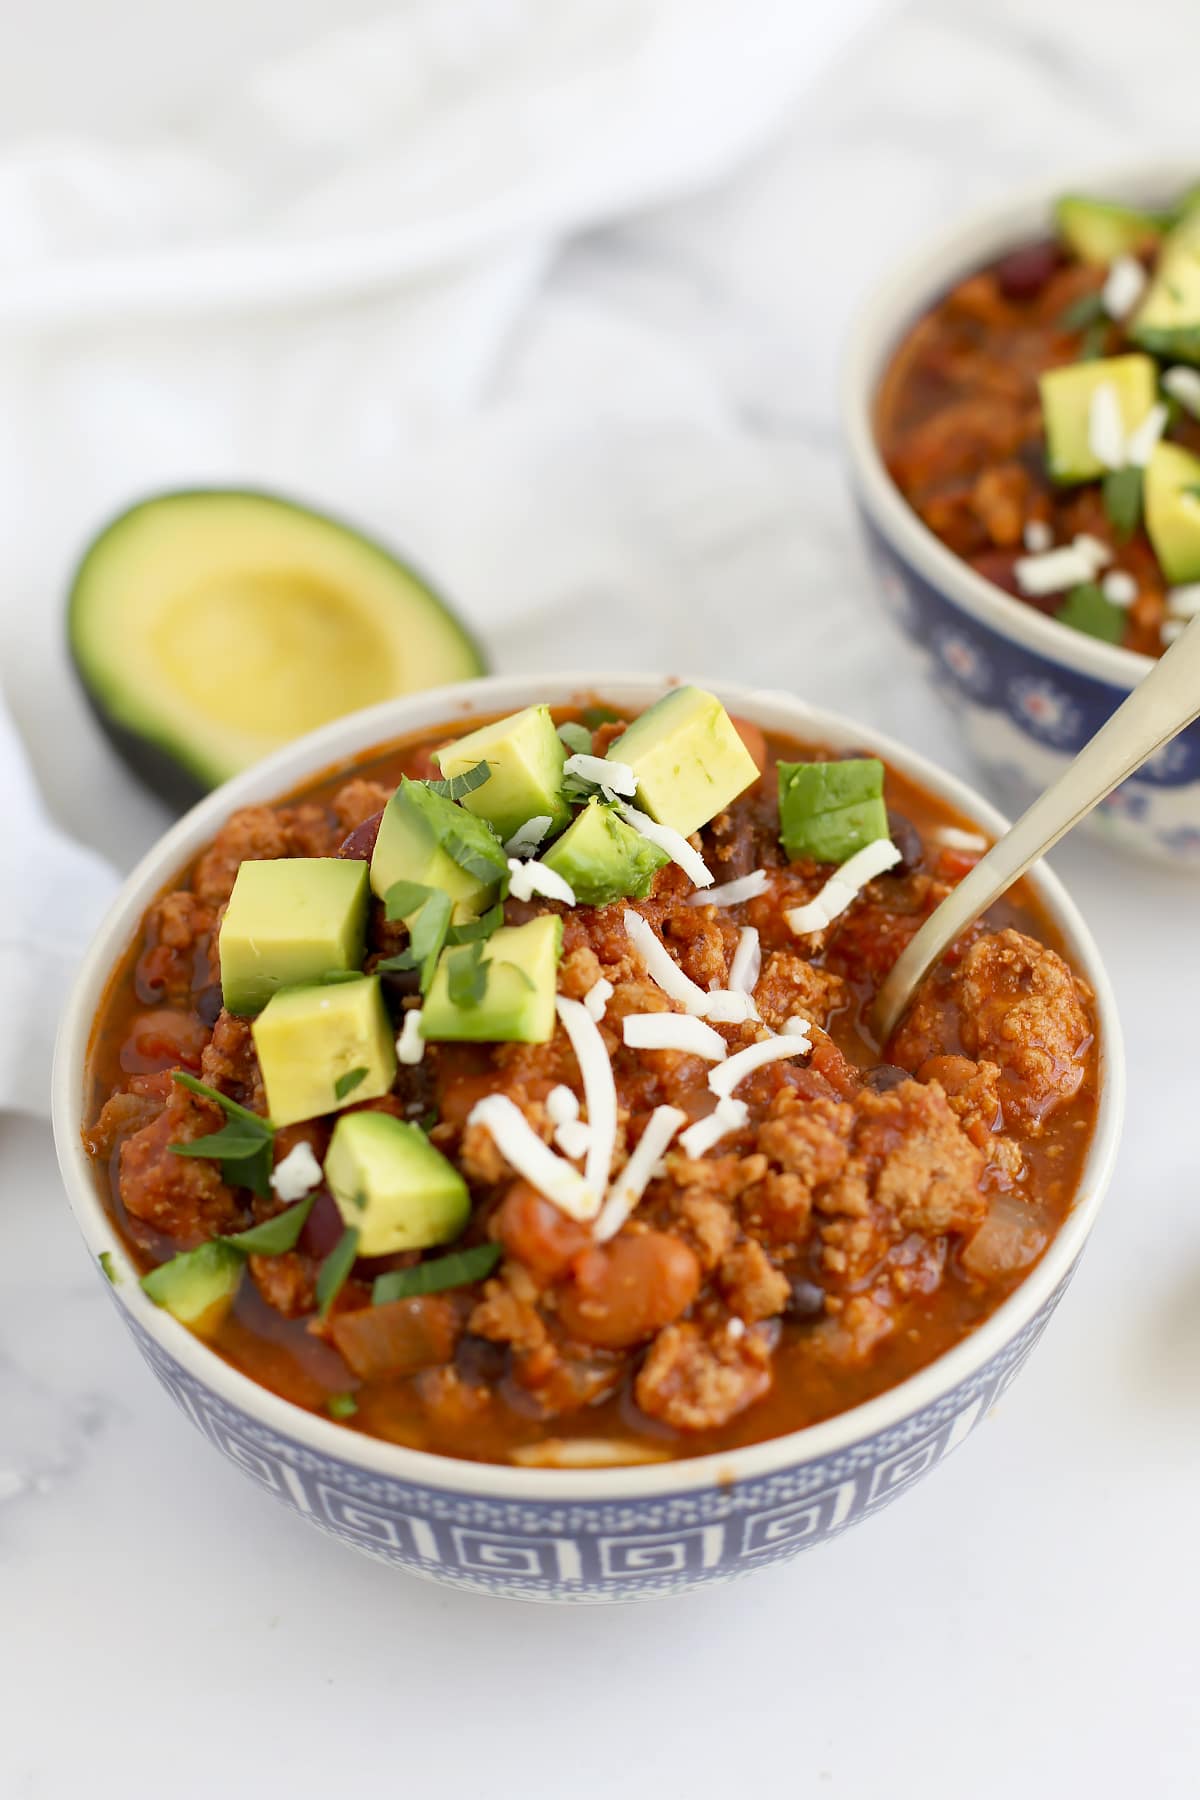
(1159, 707)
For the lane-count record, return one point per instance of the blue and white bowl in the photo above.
(581, 1535)
(1027, 691)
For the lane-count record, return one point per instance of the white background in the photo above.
(1025, 1622)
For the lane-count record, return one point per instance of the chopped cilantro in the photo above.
(455, 1270)
(467, 975)
(1123, 501)
(466, 783)
(109, 1267)
(577, 738)
(273, 1236)
(475, 929)
(1087, 310)
(332, 1275)
(347, 1082)
(1086, 609)
(341, 1406)
(242, 1146)
(595, 716)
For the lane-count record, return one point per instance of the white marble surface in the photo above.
(1024, 1622)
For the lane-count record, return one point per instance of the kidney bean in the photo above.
(907, 840)
(360, 845)
(621, 1293)
(323, 1226)
(1024, 273)
(806, 1300)
(208, 1003)
(480, 1361)
(885, 1076)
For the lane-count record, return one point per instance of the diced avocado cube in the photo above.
(1087, 609)
(289, 922)
(829, 810)
(392, 1186)
(688, 758)
(525, 755)
(322, 1048)
(1167, 323)
(1098, 231)
(604, 859)
(517, 1003)
(1172, 505)
(424, 837)
(197, 1287)
(1067, 409)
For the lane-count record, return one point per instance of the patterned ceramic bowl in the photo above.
(1028, 692)
(616, 1534)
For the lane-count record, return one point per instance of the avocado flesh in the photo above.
(602, 859)
(525, 756)
(310, 1039)
(392, 1186)
(688, 759)
(1172, 503)
(415, 826)
(289, 922)
(1098, 231)
(210, 627)
(517, 1006)
(1168, 321)
(197, 1287)
(829, 810)
(1066, 395)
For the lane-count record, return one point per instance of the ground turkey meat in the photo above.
(182, 1196)
(695, 1381)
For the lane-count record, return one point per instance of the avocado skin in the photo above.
(159, 769)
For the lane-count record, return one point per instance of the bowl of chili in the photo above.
(848, 1264)
(1031, 564)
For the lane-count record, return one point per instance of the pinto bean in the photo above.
(536, 1233)
(622, 1293)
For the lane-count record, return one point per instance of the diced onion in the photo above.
(728, 1115)
(872, 860)
(673, 842)
(732, 893)
(525, 879)
(603, 772)
(638, 1172)
(1119, 588)
(1038, 537)
(297, 1173)
(597, 998)
(746, 966)
(722, 1081)
(520, 1146)
(410, 1045)
(599, 1090)
(674, 1031)
(528, 836)
(661, 966)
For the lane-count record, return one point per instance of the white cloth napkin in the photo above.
(324, 284)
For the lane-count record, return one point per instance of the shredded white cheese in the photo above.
(729, 1006)
(528, 836)
(732, 893)
(722, 1081)
(1184, 602)
(410, 1045)
(601, 772)
(673, 1031)
(955, 838)
(586, 1453)
(1106, 427)
(574, 1138)
(297, 1173)
(661, 966)
(1119, 588)
(1038, 537)
(746, 966)
(728, 1115)
(1068, 566)
(638, 1172)
(1123, 287)
(845, 886)
(1184, 385)
(521, 1147)
(1140, 445)
(797, 1026)
(673, 842)
(599, 1089)
(525, 879)
(561, 1105)
(597, 998)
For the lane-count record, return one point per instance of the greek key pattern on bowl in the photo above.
(584, 1551)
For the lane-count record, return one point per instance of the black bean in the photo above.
(885, 1076)
(397, 985)
(208, 1003)
(806, 1301)
(1023, 274)
(907, 840)
(479, 1361)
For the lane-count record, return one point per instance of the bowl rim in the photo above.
(895, 302)
(351, 736)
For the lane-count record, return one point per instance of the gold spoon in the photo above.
(1160, 706)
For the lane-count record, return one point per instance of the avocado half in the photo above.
(211, 626)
